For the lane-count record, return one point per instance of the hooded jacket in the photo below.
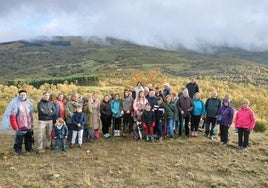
(245, 118)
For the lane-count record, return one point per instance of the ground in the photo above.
(124, 162)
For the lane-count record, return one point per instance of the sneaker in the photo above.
(80, 146)
(160, 140)
(71, 145)
(152, 138)
(206, 135)
(192, 134)
(18, 153)
(118, 133)
(195, 134)
(147, 139)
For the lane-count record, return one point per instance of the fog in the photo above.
(163, 24)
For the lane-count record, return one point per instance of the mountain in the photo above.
(65, 56)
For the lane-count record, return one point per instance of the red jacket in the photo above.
(245, 118)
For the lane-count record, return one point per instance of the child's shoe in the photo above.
(118, 133)
(152, 138)
(147, 138)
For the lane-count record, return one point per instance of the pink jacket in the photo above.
(245, 118)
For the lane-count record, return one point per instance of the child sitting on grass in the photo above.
(148, 122)
(60, 134)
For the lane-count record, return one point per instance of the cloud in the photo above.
(164, 24)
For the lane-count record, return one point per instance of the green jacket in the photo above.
(171, 111)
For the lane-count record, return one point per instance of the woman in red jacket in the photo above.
(245, 122)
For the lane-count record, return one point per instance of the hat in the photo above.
(226, 100)
(166, 84)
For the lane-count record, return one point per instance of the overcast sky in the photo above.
(160, 23)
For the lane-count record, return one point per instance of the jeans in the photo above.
(60, 142)
(170, 130)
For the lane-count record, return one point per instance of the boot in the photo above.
(96, 133)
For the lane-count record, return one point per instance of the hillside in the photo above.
(65, 56)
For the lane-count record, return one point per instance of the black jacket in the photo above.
(46, 110)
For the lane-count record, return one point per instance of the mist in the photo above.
(163, 24)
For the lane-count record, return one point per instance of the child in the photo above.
(159, 112)
(117, 112)
(245, 122)
(137, 122)
(60, 134)
(148, 122)
(78, 121)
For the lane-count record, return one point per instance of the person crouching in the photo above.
(148, 122)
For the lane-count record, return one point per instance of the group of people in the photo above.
(155, 113)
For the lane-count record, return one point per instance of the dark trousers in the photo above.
(243, 137)
(127, 122)
(70, 131)
(106, 123)
(184, 124)
(195, 120)
(159, 126)
(212, 122)
(224, 130)
(27, 136)
(117, 123)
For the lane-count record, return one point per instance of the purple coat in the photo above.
(227, 113)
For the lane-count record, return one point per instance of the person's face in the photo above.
(116, 97)
(75, 97)
(60, 97)
(106, 98)
(95, 96)
(23, 95)
(244, 105)
(141, 94)
(46, 96)
(159, 102)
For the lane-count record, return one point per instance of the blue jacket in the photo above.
(78, 117)
(116, 107)
(199, 107)
(60, 131)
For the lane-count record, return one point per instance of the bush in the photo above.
(261, 126)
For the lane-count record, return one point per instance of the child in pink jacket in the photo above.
(245, 122)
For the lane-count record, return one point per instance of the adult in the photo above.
(46, 113)
(245, 122)
(127, 104)
(226, 112)
(106, 115)
(185, 107)
(21, 120)
(171, 115)
(192, 87)
(138, 88)
(60, 100)
(212, 106)
(95, 102)
(70, 108)
(197, 113)
(166, 90)
(140, 100)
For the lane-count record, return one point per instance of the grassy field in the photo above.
(124, 162)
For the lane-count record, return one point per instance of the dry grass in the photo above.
(123, 162)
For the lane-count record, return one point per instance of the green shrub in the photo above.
(261, 126)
